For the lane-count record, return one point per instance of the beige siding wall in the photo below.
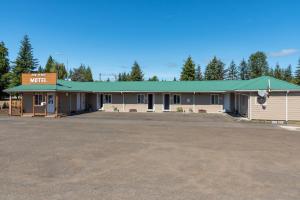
(202, 102)
(294, 106)
(274, 108)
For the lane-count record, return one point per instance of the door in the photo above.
(166, 102)
(50, 103)
(150, 101)
(100, 101)
(227, 103)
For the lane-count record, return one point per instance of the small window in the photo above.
(176, 99)
(108, 98)
(214, 99)
(38, 99)
(140, 98)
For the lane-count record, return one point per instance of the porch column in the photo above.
(46, 100)
(56, 104)
(33, 111)
(10, 105)
(194, 102)
(21, 111)
(286, 107)
(123, 100)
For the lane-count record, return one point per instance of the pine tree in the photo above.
(123, 76)
(244, 70)
(4, 69)
(232, 72)
(136, 73)
(153, 78)
(258, 64)
(198, 75)
(24, 63)
(88, 74)
(50, 65)
(287, 74)
(278, 72)
(55, 67)
(174, 79)
(188, 70)
(215, 70)
(82, 73)
(297, 73)
(40, 69)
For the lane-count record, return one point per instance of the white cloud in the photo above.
(284, 52)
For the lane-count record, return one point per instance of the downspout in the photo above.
(286, 107)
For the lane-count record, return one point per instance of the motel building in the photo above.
(263, 98)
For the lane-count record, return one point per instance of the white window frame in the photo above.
(177, 103)
(105, 102)
(137, 99)
(213, 103)
(39, 100)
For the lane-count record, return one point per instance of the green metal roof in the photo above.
(261, 83)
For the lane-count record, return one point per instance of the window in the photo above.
(108, 98)
(214, 99)
(38, 99)
(140, 98)
(176, 99)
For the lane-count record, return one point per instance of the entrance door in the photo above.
(166, 102)
(50, 103)
(227, 103)
(100, 101)
(150, 101)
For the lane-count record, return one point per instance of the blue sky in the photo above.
(110, 35)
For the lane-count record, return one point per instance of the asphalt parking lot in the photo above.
(136, 156)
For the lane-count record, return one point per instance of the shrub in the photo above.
(179, 109)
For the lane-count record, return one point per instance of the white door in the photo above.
(50, 103)
(227, 102)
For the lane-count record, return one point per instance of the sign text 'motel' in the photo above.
(39, 78)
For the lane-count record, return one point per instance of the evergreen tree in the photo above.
(153, 78)
(56, 67)
(50, 65)
(25, 62)
(258, 64)
(278, 72)
(188, 70)
(82, 73)
(136, 73)
(174, 79)
(198, 74)
(4, 69)
(287, 74)
(244, 70)
(123, 76)
(215, 70)
(271, 72)
(297, 73)
(232, 72)
(40, 69)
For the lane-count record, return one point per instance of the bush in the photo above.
(5, 105)
(116, 109)
(179, 109)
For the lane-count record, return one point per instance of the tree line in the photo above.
(10, 72)
(256, 65)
